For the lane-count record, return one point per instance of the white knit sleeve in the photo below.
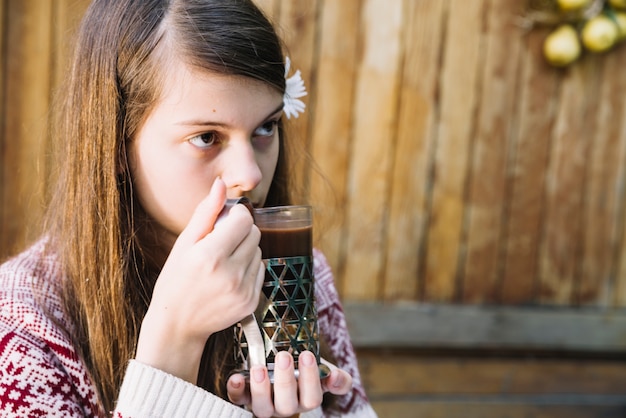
(149, 392)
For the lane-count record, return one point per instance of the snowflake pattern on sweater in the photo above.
(42, 375)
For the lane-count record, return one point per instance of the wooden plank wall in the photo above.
(462, 168)
(456, 165)
(442, 385)
(35, 37)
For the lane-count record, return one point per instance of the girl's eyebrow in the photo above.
(278, 109)
(200, 122)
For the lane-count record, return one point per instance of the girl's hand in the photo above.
(290, 396)
(211, 279)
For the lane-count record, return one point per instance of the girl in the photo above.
(127, 304)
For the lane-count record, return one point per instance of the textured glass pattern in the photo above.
(286, 313)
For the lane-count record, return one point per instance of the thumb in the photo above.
(204, 216)
(238, 393)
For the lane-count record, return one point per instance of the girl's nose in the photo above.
(240, 168)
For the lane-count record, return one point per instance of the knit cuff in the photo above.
(149, 392)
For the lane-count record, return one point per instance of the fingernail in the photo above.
(258, 374)
(338, 381)
(283, 360)
(307, 359)
(235, 383)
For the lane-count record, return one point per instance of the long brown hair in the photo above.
(94, 222)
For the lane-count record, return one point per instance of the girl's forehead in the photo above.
(182, 81)
(190, 94)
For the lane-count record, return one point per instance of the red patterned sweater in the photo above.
(42, 375)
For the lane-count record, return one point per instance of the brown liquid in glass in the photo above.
(286, 242)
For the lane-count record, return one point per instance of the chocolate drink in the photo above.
(284, 242)
(280, 242)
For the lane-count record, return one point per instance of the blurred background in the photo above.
(469, 194)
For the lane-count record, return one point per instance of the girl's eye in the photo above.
(267, 129)
(205, 140)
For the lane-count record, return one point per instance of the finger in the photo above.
(249, 245)
(261, 392)
(236, 213)
(255, 275)
(339, 382)
(236, 388)
(250, 252)
(236, 234)
(205, 214)
(309, 385)
(260, 277)
(285, 385)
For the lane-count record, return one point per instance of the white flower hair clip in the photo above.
(294, 89)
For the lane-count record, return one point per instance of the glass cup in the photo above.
(286, 316)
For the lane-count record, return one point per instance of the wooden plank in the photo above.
(459, 75)
(496, 118)
(618, 293)
(375, 115)
(403, 374)
(65, 21)
(497, 327)
(3, 180)
(618, 279)
(409, 383)
(527, 172)
(67, 16)
(561, 248)
(455, 408)
(27, 87)
(331, 125)
(602, 217)
(418, 111)
(297, 25)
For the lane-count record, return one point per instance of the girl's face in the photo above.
(204, 126)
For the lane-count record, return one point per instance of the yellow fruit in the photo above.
(562, 46)
(620, 21)
(599, 33)
(618, 4)
(572, 5)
